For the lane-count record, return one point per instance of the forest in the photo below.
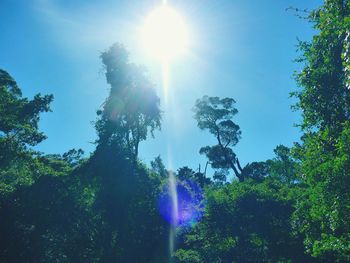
(110, 206)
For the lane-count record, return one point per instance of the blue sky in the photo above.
(240, 49)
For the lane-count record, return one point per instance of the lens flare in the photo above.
(189, 205)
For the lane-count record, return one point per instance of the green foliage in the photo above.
(256, 171)
(40, 220)
(244, 222)
(215, 114)
(323, 211)
(324, 99)
(284, 166)
(42, 223)
(19, 119)
(188, 256)
(19, 116)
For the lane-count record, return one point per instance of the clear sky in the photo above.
(242, 49)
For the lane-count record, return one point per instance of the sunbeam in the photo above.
(164, 37)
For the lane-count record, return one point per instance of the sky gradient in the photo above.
(240, 49)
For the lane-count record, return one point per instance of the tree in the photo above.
(283, 166)
(186, 173)
(324, 99)
(215, 115)
(257, 171)
(19, 131)
(129, 227)
(158, 167)
(132, 108)
(19, 117)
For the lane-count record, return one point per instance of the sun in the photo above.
(164, 34)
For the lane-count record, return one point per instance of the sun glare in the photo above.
(164, 34)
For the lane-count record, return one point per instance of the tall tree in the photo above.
(215, 115)
(132, 108)
(129, 227)
(324, 99)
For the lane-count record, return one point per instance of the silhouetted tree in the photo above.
(158, 167)
(132, 107)
(215, 115)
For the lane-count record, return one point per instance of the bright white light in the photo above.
(164, 34)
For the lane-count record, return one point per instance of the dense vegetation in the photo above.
(109, 207)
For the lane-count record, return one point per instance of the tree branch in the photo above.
(239, 165)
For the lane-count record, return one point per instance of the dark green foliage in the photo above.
(186, 173)
(40, 219)
(43, 223)
(256, 171)
(158, 167)
(73, 156)
(244, 222)
(283, 166)
(125, 197)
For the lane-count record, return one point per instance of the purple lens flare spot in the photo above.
(190, 204)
